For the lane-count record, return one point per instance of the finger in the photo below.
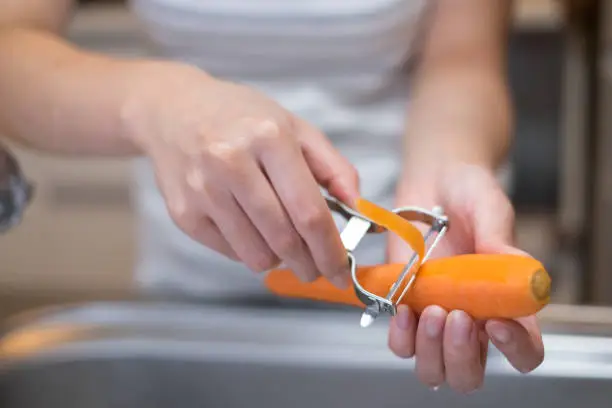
(484, 342)
(208, 234)
(428, 351)
(184, 207)
(238, 230)
(332, 170)
(199, 228)
(297, 189)
(255, 195)
(402, 332)
(462, 353)
(522, 346)
(194, 221)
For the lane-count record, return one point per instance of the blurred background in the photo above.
(77, 244)
(77, 240)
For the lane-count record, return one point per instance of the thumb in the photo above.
(331, 170)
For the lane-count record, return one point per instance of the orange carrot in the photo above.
(484, 286)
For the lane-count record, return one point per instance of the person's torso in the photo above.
(338, 64)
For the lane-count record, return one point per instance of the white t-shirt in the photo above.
(339, 64)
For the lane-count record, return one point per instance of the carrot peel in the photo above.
(394, 223)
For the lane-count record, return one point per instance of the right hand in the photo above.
(239, 173)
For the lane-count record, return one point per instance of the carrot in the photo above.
(484, 286)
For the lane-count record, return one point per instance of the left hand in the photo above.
(452, 347)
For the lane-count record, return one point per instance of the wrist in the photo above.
(137, 103)
(463, 115)
(150, 86)
(451, 149)
(424, 186)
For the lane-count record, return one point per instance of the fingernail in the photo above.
(402, 319)
(276, 265)
(434, 323)
(500, 333)
(341, 281)
(460, 327)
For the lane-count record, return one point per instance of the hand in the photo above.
(452, 347)
(239, 173)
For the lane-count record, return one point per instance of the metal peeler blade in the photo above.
(438, 225)
(359, 226)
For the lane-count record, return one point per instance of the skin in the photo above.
(227, 158)
(454, 166)
(216, 146)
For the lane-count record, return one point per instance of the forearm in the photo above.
(57, 98)
(459, 111)
(460, 106)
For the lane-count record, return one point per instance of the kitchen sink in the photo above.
(167, 354)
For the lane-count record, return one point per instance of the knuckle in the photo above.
(195, 179)
(267, 132)
(313, 220)
(228, 161)
(204, 225)
(288, 123)
(305, 274)
(287, 243)
(310, 275)
(262, 261)
(228, 155)
(266, 129)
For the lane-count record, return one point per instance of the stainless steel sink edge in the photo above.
(254, 336)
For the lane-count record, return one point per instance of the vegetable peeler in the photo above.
(358, 226)
(483, 285)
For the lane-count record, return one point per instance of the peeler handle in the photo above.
(484, 286)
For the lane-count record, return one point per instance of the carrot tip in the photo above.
(540, 285)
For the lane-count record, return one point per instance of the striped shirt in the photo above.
(339, 64)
